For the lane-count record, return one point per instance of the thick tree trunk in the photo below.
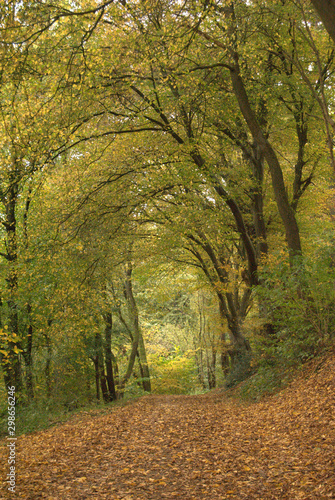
(239, 350)
(238, 340)
(239, 221)
(257, 203)
(231, 313)
(326, 11)
(224, 360)
(285, 210)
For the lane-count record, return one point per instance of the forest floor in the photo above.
(189, 447)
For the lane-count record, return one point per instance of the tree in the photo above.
(326, 11)
(202, 127)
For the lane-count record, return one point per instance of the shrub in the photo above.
(301, 307)
(241, 369)
(173, 373)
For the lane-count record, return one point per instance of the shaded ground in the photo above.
(189, 447)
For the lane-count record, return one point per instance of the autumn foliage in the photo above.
(167, 227)
(195, 447)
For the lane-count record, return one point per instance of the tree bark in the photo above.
(103, 379)
(229, 311)
(27, 350)
(97, 376)
(108, 355)
(47, 368)
(12, 370)
(285, 210)
(211, 367)
(239, 348)
(27, 355)
(326, 11)
(257, 203)
(96, 361)
(133, 314)
(146, 382)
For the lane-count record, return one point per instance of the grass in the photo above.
(42, 414)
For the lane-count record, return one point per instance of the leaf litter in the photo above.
(189, 447)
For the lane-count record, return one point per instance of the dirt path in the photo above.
(190, 448)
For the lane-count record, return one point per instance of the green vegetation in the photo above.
(166, 199)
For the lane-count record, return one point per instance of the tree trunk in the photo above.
(239, 350)
(234, 319)
(116, 372)
(224, 357)
(228, 310)
(103, 380)
(27, 355)
(199, 350)
(96, 361)
(257, 203)
(133, 314)
(88, 386)
(211, 367)
(146, 383)
(27, 351)
(12, 370)
(47, 370)
(285, 210)
(326, 11)
(97, 376)
(200, 368)
(108, 355)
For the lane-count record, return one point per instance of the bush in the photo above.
(300, 306)
(173, 373)
(241, 369)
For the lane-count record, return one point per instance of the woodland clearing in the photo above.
(193, 447)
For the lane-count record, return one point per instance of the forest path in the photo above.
(189, 447)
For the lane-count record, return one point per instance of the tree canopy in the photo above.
(166, 191)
